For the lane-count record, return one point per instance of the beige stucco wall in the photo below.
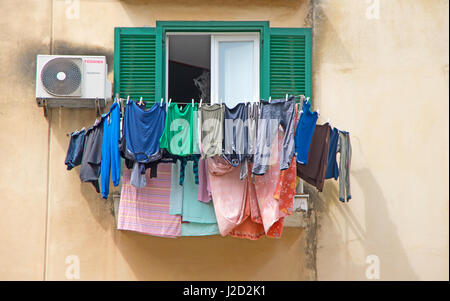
(386, 81)
(34, 181)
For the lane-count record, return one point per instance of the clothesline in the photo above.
(238, 159)
(200, 100)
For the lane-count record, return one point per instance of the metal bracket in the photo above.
(45, 107)
(97, 107)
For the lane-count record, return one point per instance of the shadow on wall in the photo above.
(26, 60)
(378, 236)
(212, 257)
(337, 221)
(69, 48)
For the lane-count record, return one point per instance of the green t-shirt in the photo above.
(179, 136)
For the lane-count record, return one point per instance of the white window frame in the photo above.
(215, 39)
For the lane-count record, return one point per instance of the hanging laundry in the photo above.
(345, 148)
(178, 136)
(332, 167)
(142, 130)
(304, 132)
(195, 133)
(272, 115)
(146, 210)
(252, 225)
(238, 130)
(204, 188)
(199, 132)
(266, 186)
(285, 190)
(137, 178)
(236, 134)
(184, 160)
(198, 218)
(211, 129)
(228, 194)
(75, 150)
(92, 154)
(251, 209)
(110, 164)
(193, 210)
(163, 155)
(252, 125)
(314, 172)
(176, 190)
(166, 157)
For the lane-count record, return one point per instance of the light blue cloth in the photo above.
(176, 191)
(194, 210)
(200, 216)
(196, 229)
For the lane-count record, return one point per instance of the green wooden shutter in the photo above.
(290, 61)
(135, 62)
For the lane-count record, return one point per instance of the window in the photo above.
(235, 68)
(188, 67)
(273, 61)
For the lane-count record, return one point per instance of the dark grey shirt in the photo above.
(92, 155)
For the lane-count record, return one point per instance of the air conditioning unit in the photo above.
(72, 81)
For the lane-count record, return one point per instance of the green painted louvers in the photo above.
(290, 61)
(135, 63)
(139, 55)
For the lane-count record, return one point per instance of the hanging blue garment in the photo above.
(110, 163)
(142, 130)
(75, 151)
(304, 133)
(332, 167)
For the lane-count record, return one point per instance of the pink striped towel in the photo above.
(146, 210)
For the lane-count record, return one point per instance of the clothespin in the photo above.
(201, 100)
(162, 99)
(192, 102)
(270, 99)
(286, 96)
(170, 100)
(140, 101)
(128, 98)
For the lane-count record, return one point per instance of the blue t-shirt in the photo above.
(142, 130)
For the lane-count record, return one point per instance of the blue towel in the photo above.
(304, 133)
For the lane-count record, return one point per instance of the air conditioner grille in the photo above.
(62, 76)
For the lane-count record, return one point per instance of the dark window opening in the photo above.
(189, 66)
